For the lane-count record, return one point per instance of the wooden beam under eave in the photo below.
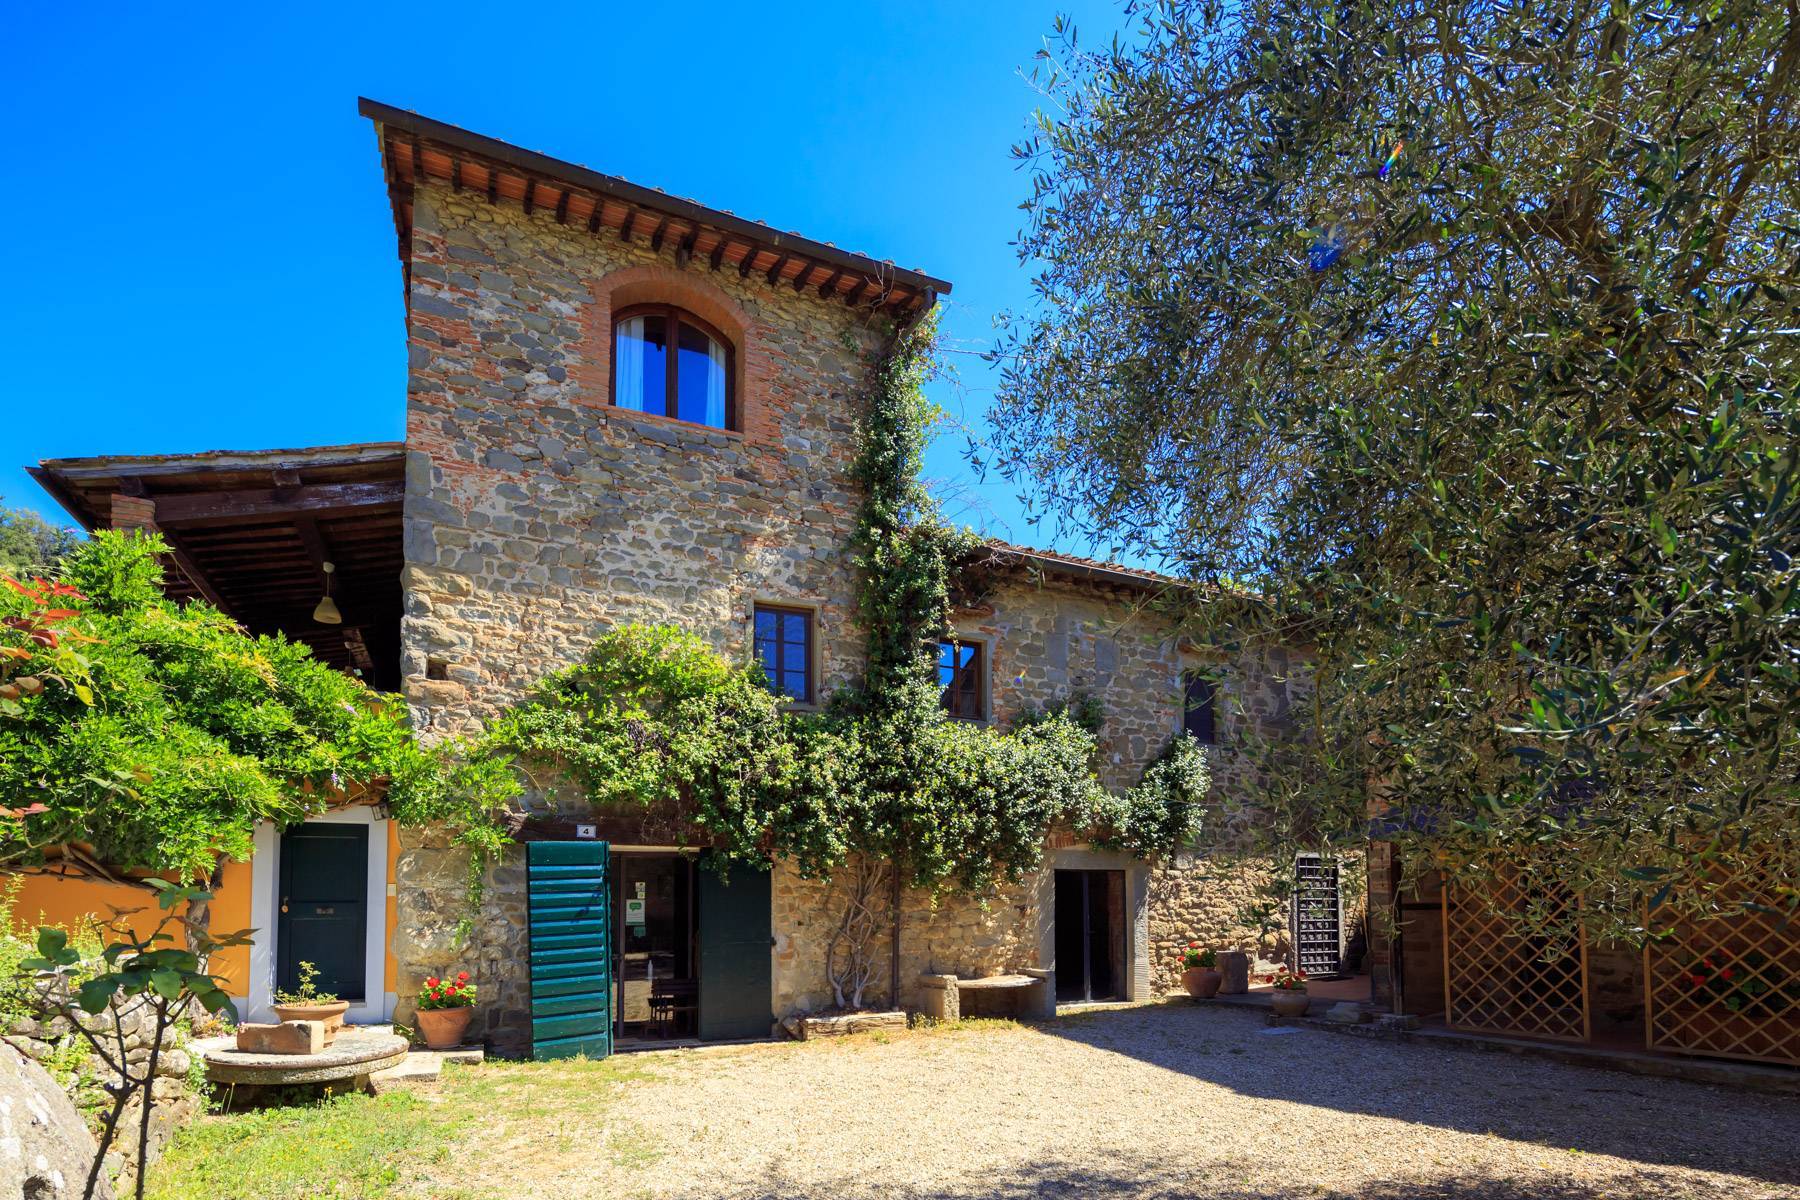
(562, 208)
(530, 193)
(747, 264)
(806, 270)
(684, 253)
(718, 252)
(656, 239)
(249, 504)
(829, 287)
(630, 220)
(775, 271)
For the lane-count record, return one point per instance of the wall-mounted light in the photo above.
(327, 612)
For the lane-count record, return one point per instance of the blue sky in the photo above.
(249, 296)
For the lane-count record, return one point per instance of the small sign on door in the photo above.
(634, 910)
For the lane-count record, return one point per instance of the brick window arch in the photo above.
(654, 284)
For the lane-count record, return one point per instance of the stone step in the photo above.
(421, 1070)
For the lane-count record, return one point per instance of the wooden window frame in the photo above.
(810, 653)
(674, 315)
(1189, 679)
(982, 659)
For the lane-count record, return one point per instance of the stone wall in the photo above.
(537, 514)
(1050, 639)
(950, 933)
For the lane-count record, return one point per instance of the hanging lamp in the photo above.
(327, 612)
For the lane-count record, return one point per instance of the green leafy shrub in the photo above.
(183, 731)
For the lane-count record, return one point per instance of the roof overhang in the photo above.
(1049, 564)
(416, 148)
(250, 531)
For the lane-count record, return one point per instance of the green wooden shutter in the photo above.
(571, 949)
(735, 978)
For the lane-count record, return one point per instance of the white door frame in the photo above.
(265, 905)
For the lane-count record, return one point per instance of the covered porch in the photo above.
(305, 543)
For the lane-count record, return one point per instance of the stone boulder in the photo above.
(45, 1148)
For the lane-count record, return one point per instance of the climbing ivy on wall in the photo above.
(652, 716)
(152, 736)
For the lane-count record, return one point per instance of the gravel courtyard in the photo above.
(1154, 1102)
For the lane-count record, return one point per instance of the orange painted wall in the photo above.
(69, 903)
(66, 902)
(391, 972)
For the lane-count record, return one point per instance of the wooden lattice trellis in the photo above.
(1498, 980)
(1727, 986)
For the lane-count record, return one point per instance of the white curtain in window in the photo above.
(628, 367)
(715, 385)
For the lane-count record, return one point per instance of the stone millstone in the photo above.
(358, 1051)
(45, 1148)
(1347, 1012)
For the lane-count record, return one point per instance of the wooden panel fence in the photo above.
(1499, 979)
(1726, 985)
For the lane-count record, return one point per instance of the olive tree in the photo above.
(1462, 337)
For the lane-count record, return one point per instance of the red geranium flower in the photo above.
(1726, 973)
(431, 981)
(462, 977)
(1696, 980)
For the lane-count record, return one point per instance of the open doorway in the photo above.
(655, 977)
(1090, 936)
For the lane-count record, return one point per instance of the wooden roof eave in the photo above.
(415, 147)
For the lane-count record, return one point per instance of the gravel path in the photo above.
(1163, 1102)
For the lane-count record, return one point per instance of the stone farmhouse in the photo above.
(624, 406)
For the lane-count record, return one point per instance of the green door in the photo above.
(571, 985)
(734, 935)
(323, 918)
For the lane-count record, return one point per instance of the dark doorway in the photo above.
(323, 918)
(1090, 935)
(657, 983)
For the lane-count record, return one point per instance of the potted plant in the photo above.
(308, 1003)
(1200, 973)
(445, 1006)
(1289, 998)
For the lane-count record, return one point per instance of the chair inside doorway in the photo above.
(656, 971)
(1090, 936)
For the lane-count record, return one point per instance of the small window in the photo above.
(1200, 715)
(784, 647)
(959, 669)
(671, 363)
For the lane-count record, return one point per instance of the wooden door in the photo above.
(324, 909)
(734, 918)
(570, 927)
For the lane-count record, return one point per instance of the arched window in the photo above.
(669, 362)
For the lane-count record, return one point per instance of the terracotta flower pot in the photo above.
(1202, 983)
(330, 1013)
(444, 1027)
(1289, 1003)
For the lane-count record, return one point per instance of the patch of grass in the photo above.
(357, 1147)
(348, 1147)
